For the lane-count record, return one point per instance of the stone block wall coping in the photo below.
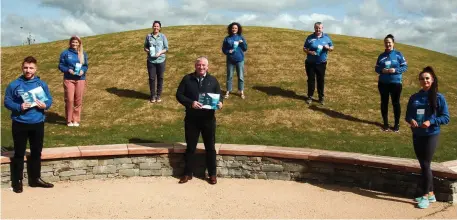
(451, 165)
(444, 170)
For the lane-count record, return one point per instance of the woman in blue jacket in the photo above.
(426, 111)
(233, 47)
(73, 64)
(27, 98)
(390, 66)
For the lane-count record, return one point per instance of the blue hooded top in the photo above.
(238, 52)
(13, 100)
(68, 60)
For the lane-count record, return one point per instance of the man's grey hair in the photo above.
(201, 58)
(317, 23)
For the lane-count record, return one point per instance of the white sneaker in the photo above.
(76, 124)
(70, 124)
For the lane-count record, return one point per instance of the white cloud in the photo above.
(402, 22)
(370, 18)
(246, 18)
(441, 8)
(371, 8)
(78, 26)
(315, 17)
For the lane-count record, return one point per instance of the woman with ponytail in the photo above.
(73, 64)
(427, 110)
(390, 66)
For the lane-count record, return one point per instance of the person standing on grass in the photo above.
(28, 124)
(199, 120)
(234, 46)
(390, 66)
(155, 46)
(316, 47)
(73, 64)
(426, 111)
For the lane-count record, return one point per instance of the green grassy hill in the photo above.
(116, 110)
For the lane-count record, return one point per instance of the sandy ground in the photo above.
(163, 197)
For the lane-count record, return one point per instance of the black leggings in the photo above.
(394, 90)
(155, 71)
(424, 147)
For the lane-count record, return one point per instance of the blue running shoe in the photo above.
(430, 199)
(424, 203)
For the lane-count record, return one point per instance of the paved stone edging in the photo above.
(381, 173)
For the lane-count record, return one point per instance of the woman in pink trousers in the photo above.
(73, 64)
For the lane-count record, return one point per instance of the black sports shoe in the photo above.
(309, 100)
(321, 101)
(385, 127)
(396, 128)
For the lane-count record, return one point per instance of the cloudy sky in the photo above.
(425, 23)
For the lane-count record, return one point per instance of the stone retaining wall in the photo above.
(380, 173)
(243, 166)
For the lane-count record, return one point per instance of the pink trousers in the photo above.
(74, 90)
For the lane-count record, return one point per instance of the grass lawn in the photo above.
(116, 107)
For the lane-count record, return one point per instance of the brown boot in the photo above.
(185, 178)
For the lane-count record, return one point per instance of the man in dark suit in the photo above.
(199, 120)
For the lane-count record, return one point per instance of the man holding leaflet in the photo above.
(199, 120)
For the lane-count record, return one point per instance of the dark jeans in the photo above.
(155, 71)
(316, 71)
(424, 147)
(193, 126)
(394, 90)
(34, 133)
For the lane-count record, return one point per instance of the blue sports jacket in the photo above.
(68, 60)
(393, 59)
(419, 110)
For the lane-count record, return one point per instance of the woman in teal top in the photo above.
(155, 45)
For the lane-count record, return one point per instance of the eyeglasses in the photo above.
(424, 78)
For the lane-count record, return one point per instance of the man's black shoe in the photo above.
(40, 183)
(17, 187)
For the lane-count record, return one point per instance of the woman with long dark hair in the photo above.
(233, 47)
(390, 66)
(427, 110)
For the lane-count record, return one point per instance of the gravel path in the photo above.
(163, 197)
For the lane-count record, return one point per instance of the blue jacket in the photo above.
(238, 54)
(312, 43)
(13, 100)
(68, 60)
(419, 102)
(393, 59)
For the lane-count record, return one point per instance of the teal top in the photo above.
(156, 44)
